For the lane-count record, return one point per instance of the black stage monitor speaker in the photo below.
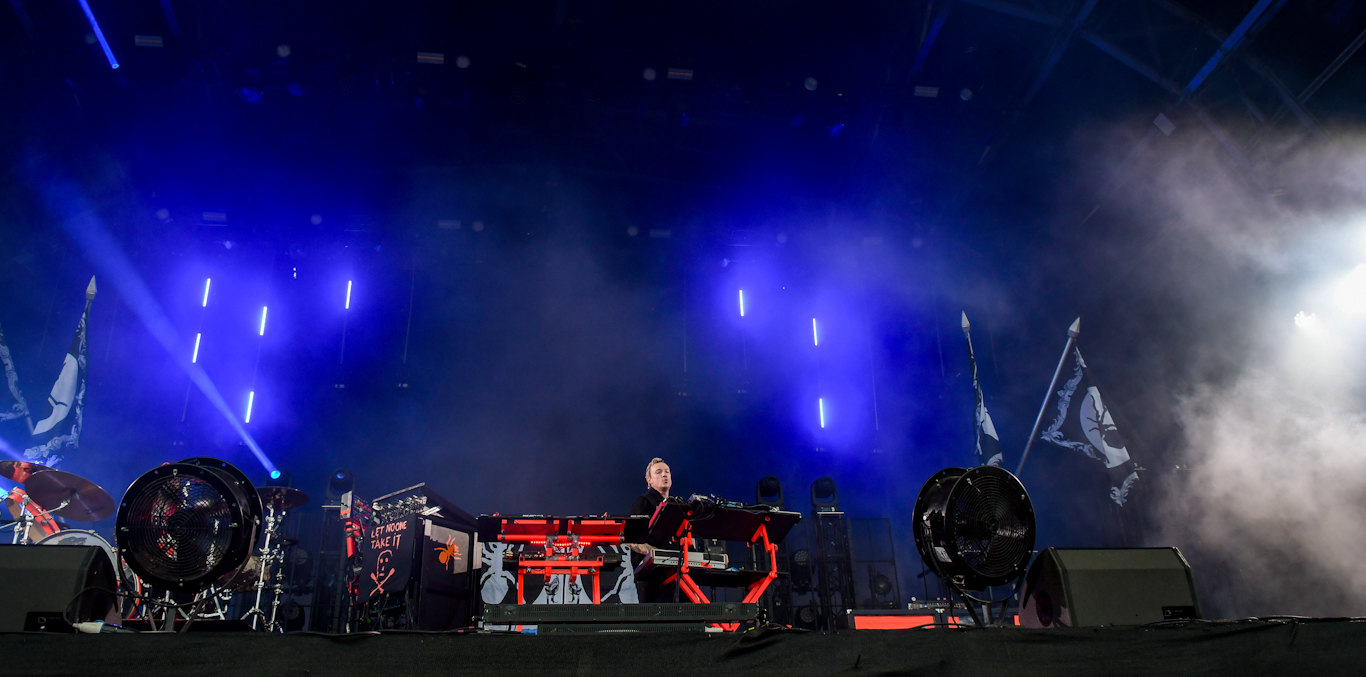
(75, 581)
(1107, 586)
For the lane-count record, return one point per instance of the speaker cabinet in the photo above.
(55, 581)
(1107, 586)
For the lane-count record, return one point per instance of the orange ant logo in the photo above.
(450, 554)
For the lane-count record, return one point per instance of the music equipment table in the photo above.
(697, 519)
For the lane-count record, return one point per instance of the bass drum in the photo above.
(87, 537)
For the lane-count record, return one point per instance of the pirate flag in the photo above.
(1083, 423)
(62, 428)
(987, 445)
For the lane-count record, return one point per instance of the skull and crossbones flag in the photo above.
(1082, 421)
(987, 444)
(62, 427)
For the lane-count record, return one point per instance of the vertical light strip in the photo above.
(99, 34)
(820, 404)
(194, 359)
(742, 303)
(251, 397)
(206, 291)
(815, 337)
(263, 320)
(348, 295)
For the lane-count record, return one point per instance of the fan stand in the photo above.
(987, 603)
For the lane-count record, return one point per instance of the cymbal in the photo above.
(20, 471)
(87, 501)
(282, 498)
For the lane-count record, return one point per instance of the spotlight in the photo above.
(1307, 321)
(340, 482)
(810, 84)
(769, 492)
(280, 478)
(825, 499)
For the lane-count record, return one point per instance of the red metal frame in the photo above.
(694, 592)
(563, 539)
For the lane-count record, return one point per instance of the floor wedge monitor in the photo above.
(1089, 587)
(48, 584)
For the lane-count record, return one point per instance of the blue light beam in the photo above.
(742, 303)
(99, 34)
(820, 405)
(815, 337)
(263, 320)
(348, 295)
(251, 397)
(194, 359)
(69, 207)
(206, 292)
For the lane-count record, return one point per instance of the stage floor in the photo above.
(1244, 648)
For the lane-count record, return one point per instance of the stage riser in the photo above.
(1328, 648)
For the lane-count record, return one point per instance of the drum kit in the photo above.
(46, 494)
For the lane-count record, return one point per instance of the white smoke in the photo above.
(1268, 495)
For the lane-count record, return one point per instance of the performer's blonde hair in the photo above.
(649, 465)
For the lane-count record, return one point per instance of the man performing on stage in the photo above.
(659, 480)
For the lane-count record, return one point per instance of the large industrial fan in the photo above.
(974, 529)
(183, 526)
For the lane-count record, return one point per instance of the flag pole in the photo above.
(1072, 333)
(976, 391)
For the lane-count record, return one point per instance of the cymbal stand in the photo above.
(268, 555)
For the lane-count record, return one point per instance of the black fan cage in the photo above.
(975, 528)
(182, 526)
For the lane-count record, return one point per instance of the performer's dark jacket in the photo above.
(645, 504)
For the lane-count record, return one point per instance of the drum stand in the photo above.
(269, 555)
(26, 519)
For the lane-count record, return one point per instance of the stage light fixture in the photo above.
(194, 359)
(206, 292)
(815, 336)
(275, 474)
(263, 320)
(769, 491)
(251, 398)
(742, 303)
(348, 295)
(825, 498)
(339, 482)
(820, 405)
